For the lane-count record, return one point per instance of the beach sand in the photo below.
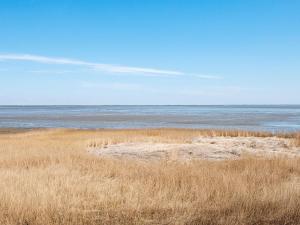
(210, 148)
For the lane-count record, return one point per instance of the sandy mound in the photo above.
(201, 148)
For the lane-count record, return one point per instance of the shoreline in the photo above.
(285, 133)
(15, 130)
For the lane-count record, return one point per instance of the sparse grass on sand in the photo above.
(47, 177)
(297, 139)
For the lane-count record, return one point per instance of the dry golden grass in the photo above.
(297, 139)
(47, 177)
(108, 137)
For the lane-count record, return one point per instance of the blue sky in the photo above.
(149, 52)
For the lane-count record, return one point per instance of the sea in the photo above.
(272, 118)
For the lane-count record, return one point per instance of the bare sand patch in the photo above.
(212, 148)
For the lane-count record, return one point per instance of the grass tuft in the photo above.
(47, 177)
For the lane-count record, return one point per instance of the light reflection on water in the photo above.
(271, 118)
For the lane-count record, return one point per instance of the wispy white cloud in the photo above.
(109, 68)
(207, 76)
(97, 66)
(214, 91)
(113, 86)
(52, 71)
(207, 91)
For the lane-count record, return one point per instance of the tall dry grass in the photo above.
(297, 139)
(47, 177)
(108, 137)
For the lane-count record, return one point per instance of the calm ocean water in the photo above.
(270, 118)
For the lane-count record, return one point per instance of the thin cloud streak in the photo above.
(207, 76)
(96, 66)
(210, 91)
(51, 71)
(99, 66)
(114, 86)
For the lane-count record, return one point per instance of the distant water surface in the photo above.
(250, 117)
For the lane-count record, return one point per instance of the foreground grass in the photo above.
(47, 177)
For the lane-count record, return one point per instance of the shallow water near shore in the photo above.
(249, 117)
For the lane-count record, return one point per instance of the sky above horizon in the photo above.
(149, 52)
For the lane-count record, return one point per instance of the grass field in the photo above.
(47, 177)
